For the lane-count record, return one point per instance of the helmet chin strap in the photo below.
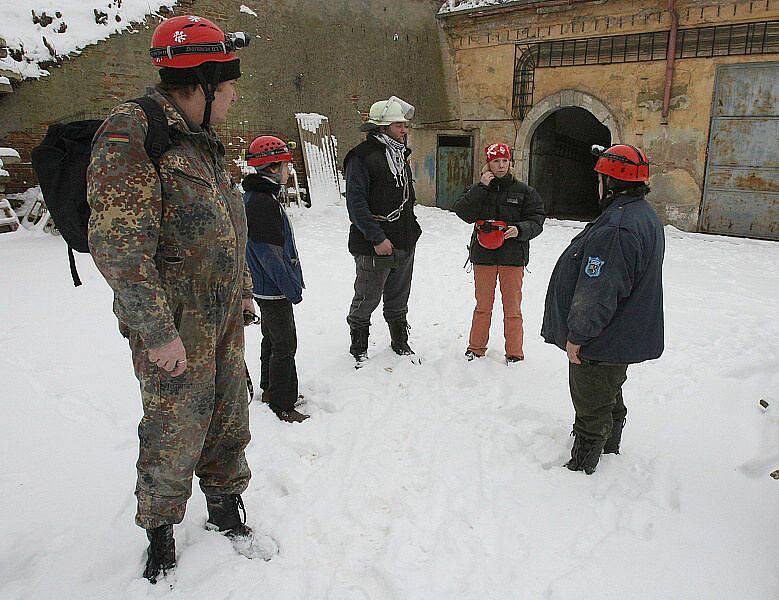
(209, 91)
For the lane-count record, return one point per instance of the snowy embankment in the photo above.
(439, 481)
(49, 30)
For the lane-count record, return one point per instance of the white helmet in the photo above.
(387, 112)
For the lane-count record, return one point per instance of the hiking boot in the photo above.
(291, 416)
(585, 454)
(514, 359)
(470, 355)
(266, 398)
(399, 334)
(161, 554)
(359, 347)
(612, 444)
(224, 516)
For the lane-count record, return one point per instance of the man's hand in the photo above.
(248, 305)
(572, 350)
(172, 357)
(384, 249)
(487, 177)
(511, 232)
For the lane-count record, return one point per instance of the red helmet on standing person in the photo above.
(191, 50)
(623, 162)
(267, 149)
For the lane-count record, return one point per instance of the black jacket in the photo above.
(371, 190)
(606, 291)
(505, 199)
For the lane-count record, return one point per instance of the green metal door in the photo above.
(454, 168)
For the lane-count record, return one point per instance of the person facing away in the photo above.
(171, 244)
(384, 230)
(278, 278)
(604, 304)
(507, 215)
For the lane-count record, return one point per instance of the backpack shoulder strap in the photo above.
(158, 135)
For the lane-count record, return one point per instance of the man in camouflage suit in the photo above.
(171, 243)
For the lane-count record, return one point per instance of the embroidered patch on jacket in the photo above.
(118, 138)
(593, 266)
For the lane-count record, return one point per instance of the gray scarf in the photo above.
(396, 157)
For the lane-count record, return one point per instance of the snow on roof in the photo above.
(310, 121)
(8, 152)
(247, 10)
(451, 6)
(56, 28)
(5, 80)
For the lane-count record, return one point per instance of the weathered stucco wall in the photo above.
(631, 94)
(334, 58)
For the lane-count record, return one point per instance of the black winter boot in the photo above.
(612, 444)
(223, 515)
(359, 347)
(161, 554)
(585, 454)
(399, 334)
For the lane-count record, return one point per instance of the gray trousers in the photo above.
(381, 276)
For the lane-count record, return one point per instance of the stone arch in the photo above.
(553, 102)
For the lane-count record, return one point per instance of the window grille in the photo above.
(696, 42)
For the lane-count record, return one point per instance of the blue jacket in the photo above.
(270, 249)
(606, 290)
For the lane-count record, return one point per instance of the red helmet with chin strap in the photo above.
(623, 162)
(267, 149)
(191, 50)
(189, 41)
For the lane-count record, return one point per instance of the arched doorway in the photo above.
(561, 163)
(592, 108)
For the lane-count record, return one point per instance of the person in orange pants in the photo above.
(506, 214)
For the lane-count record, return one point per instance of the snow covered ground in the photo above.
(439, 481)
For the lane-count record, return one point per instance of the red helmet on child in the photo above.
(267, 149)
(623, 162)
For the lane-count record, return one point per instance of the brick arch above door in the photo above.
(542, 109)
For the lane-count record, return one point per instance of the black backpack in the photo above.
(61, 160)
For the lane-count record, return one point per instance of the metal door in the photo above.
(454, 168)
(741, 193)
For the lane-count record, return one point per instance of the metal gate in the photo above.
(741, 193)
(454, 168)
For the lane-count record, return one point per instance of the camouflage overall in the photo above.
(172, 248)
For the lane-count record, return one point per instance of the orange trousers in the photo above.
(485, 278)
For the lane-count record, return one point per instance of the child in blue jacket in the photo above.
(278, 278)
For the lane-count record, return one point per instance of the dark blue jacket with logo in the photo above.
(270, 249)
(606, 290)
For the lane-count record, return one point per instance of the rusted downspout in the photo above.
(670, 58)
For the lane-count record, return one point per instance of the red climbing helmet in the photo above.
(189, 41)
(623, 162)
(268, 149)
(490, 234)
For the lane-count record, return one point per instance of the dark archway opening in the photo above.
(561, 163)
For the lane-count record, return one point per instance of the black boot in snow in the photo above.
(399, 334)
(585, 454)
(161, 554)
(223, 515)
(612, 444)
(359, 347)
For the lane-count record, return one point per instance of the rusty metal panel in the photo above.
(454, 173)
(741, 193)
